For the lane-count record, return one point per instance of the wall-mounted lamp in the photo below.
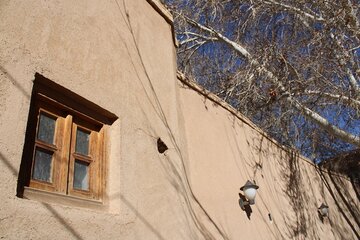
(249, 190)
(323, 210)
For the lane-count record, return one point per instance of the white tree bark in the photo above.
(294, 9)
(336, 97)
(353, 81)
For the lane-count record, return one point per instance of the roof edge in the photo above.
(162, 10)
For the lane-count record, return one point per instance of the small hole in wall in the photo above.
(270, 218)
(161, 146)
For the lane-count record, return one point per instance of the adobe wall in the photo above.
(121, 56)
(225, 150)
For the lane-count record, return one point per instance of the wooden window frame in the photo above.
(71, 112)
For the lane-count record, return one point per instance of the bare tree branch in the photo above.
(311, 115)
(336, 97)
(295, 9)
(292, 67)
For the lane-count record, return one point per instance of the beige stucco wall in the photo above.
(121, 56)
(226, 150)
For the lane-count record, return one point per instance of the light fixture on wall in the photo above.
(323, 210)
(249, 190)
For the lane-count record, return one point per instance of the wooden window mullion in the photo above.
(57, 154)
(71, 163)
(65, 154)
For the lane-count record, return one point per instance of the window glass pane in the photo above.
(46, 129)
(82, 142)
(42, 165)
(81, 175)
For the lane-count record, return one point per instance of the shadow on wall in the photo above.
(178, 178)
(247, 208)
(14, 82)
(257, 153)
(355, 184)
(298, 196)
(63, 222)
(24, 162)
(260, 150)
(345, 204)
(8, 164)
(138, 214)
(300, 200)
(177, 175)
(57, 216)
(297, 224)
(303, 223)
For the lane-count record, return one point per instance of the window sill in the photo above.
(57, 198)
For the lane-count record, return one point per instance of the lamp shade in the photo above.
(250, 193)
(249, 190)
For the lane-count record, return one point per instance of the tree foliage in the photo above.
(290, 66)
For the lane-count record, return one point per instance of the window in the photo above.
(64, 150)
(66, 157)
